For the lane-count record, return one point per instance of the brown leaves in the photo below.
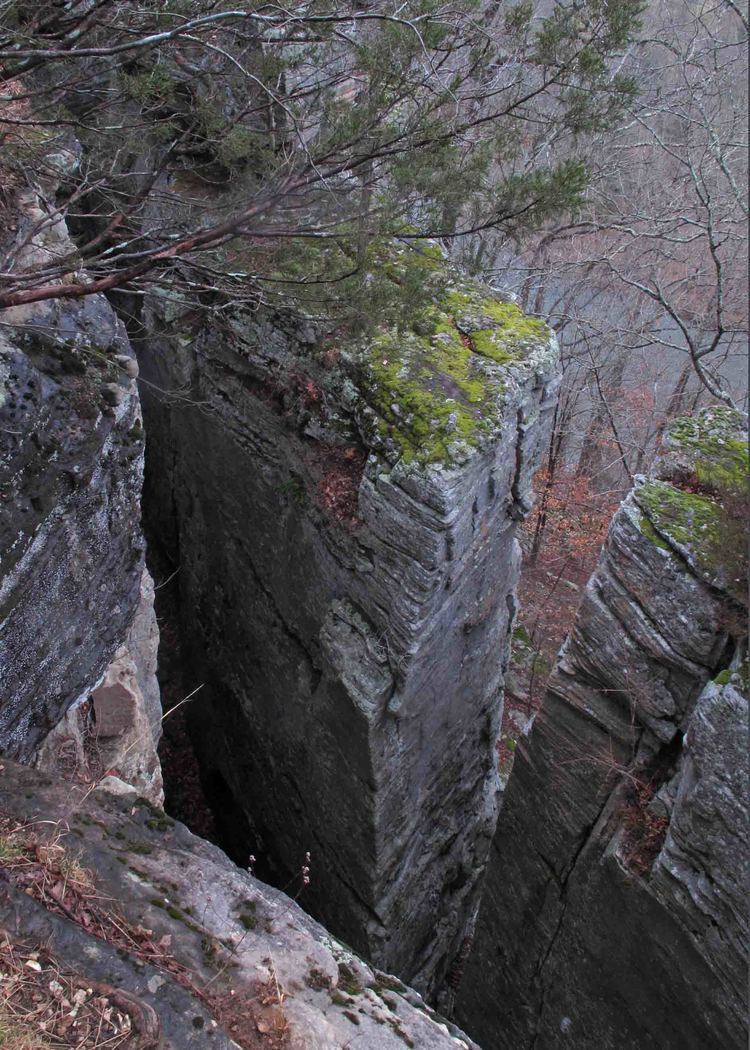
(42, 1006)
(77, 1011)
(338, 489)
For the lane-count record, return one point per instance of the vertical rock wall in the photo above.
(614, 908)
(343, 522)
(72, 568)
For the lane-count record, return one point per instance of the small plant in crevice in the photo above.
(294, 490)
(644, 830)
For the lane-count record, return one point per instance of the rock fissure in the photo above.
(343, 530)
(288, 630)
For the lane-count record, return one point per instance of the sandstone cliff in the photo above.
(342, 515)
(81, 869)
(340, 512)
(77, 631)
(614, 909)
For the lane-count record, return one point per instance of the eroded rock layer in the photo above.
(343, 518)
(74, 593)
(614, 908)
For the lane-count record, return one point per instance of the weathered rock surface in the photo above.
(72, 587)
(614, 908)
(110, 736)
(232, 948)
(343, 518)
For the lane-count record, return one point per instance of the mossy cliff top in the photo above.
(441, 380)
(697, 505)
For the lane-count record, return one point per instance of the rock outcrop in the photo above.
(110, 736)
(343, 517)
(182, 942)
(75, 597)
(614, 908)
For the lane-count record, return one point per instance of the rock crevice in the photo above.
(346, 552)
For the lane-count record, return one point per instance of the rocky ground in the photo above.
(117, 916)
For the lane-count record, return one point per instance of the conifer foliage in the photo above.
(269, 146)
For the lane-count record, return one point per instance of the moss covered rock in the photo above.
(710, 450)
(436, 383)
(697, 505)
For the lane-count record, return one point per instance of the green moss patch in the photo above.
(739, 675)
(701, 528)
(713, 445)
(437, 386)
(698, 506)
(348, 980)
(141, 848)
(160, 823)
(652, 535)
(689, 519)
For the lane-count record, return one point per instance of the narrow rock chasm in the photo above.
(343, 611)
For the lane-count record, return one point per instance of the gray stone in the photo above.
(347, 609)
(113, 393)
(230, 935)
(116, 727)
(71, 548)
(72, 579)
(614, 906)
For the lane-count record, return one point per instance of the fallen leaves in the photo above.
(43, 1007)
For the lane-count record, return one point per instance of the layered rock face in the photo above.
(74, 594)
(614, 908)
(343, 518)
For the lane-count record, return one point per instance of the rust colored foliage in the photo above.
(338, 488)
(574, 518)
(561, 540)
(645, 830)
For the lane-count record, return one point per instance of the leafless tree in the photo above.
(646, 284)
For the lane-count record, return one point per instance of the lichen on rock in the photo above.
(696, 505)
(711, 446)
(439, 383)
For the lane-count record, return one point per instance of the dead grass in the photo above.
(644, 831)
